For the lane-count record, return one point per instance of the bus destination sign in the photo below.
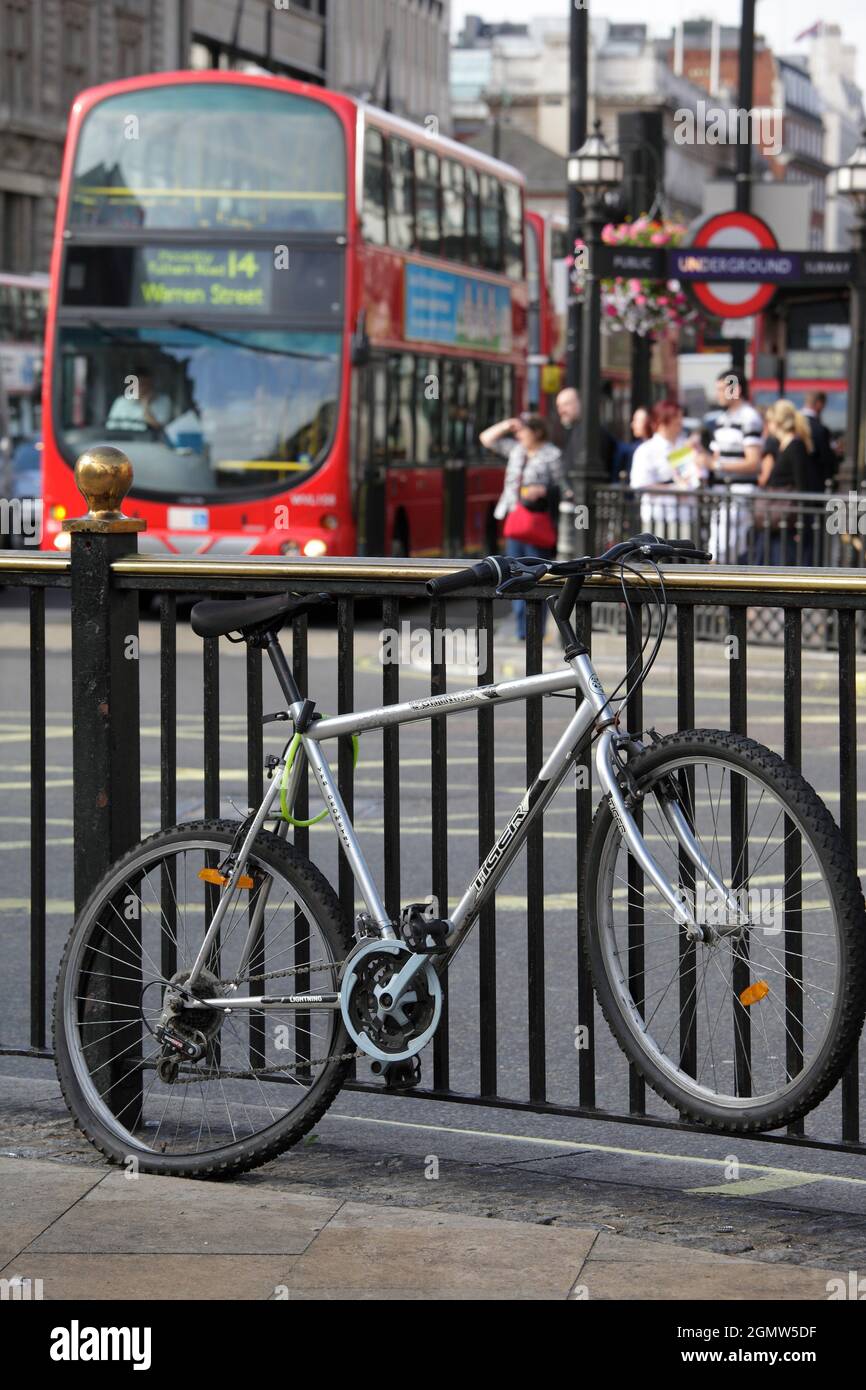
(201, 277)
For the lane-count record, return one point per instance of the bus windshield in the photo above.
(202, 412)
(208, 155)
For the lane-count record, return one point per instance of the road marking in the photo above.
(753, 1187)
(575, 1146)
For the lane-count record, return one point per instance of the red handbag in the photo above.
(533, 525)
(535, 528)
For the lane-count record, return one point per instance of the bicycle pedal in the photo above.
(422, 933)
(402, 1076)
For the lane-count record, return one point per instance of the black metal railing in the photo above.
(743, 526)
(168, 728)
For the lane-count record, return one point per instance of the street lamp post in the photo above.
(594, 169)
(851, 183)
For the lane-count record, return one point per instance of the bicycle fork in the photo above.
(607, 766)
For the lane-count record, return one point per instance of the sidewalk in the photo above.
(95, 1233)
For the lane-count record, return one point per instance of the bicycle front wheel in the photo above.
(751, 1027)
(256, 1080)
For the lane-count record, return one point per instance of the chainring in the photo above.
(395, 1033)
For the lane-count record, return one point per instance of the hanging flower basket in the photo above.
(631, 305)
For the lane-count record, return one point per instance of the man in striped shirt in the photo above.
(735, 449)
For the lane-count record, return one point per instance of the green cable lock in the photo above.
(284, 810)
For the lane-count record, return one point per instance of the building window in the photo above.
(130, 51)
(17, 233)
(17, 52)
(75, 66)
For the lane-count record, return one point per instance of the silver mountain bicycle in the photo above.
(212, 993)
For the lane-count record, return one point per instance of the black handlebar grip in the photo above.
(485, 570)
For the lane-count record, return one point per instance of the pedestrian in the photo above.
(667, 465)
(787, 466)
(735, 448)
(570, 412)
(640, 430)
(824, 460)
(529, 504)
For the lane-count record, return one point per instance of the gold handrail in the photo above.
(772, 580)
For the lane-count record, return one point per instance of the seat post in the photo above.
(283, 673)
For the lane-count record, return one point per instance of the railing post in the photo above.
(105, 743)
(106, 764)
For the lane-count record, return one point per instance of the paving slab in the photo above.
(35, 1194)
(117, 1278)
(619, 1267)
(152, 1215)
(437, 1255)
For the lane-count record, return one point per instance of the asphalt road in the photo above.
(644, 1159)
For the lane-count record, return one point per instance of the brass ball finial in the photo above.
(104, 477)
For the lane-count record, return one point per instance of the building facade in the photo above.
(393, 51)
(518, 76)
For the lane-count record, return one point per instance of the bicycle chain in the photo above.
(290, 970)
(253, 1072)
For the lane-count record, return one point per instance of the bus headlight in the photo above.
(314, 548)
(62, 541)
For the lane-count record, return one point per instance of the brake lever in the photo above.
(524, 580)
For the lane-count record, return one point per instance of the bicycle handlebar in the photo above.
(505, 572)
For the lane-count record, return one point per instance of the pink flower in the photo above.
(640, 299)
(659, 238)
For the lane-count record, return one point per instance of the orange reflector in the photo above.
(752, 994)
(214, 876)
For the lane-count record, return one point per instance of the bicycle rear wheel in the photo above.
(750, 1028)
(263, 1077)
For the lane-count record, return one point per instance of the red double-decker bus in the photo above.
(293, 311)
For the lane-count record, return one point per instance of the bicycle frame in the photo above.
(594, 712)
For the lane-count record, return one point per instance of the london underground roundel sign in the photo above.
(733, 231)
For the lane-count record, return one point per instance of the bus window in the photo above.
(400, 199)
(400, 436)
(374, 223)
(427, 201)
(428, 411)
(207, 154)
(379, 430)
(454, 408)
(491, 223)
(471, 376)
(513, 231)
(453, 203)
(473, 234)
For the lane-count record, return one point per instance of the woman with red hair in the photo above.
(664, 466)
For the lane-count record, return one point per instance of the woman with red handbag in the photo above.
(529, 503)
